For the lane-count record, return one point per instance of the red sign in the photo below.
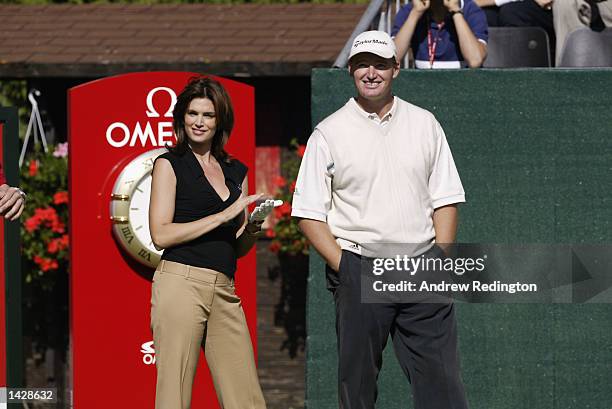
(113, 123)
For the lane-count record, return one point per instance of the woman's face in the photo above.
(200, 121)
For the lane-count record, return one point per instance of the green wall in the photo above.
(534, 151)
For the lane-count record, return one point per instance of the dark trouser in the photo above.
(525, 13)
(424, 339)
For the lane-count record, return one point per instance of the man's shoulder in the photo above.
(339, 117)
(471, 12)
(407, 108)
(469, 5)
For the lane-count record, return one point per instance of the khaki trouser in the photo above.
(191, 308)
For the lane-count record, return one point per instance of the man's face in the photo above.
(373, 75)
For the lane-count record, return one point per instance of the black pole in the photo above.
(12, 261)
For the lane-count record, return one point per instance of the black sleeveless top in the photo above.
(195, 199)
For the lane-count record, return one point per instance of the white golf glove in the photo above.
(263, 210)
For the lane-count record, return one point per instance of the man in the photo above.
(442, 33)
(379, 170)
(12, 199)
(570, 15)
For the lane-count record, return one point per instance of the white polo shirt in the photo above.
(377, 180)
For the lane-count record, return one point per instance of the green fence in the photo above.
(534, 151)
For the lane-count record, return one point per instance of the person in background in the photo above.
(12, 199)
(569, 15)
(442, 33)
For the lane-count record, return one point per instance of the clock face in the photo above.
(129, 209)
(139, 212)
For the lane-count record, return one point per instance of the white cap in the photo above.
(375, 42)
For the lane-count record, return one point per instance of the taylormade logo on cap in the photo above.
(375, 42)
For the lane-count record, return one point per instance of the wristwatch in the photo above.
(253, 228)
(452, 13)
(23, 194)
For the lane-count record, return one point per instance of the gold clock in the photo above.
(129, 208)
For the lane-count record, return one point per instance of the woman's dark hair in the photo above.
(204, 87)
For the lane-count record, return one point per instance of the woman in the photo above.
(198, 215)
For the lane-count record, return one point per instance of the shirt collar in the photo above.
(373, 116)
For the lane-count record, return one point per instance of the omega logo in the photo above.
(148, 351)
(119, 134)
(152, 113)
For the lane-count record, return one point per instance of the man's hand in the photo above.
(545, 4)
(319, 235)
(420, 6)
(335, 264)
(452, 5)
(12, 202)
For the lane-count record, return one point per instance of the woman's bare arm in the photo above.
(164, 232)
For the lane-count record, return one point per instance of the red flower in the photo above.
(49, 264)
(58, 244)
(300, 150)
(282, 210)
(49, 216)
(58, 227)
(45, 264)
(54, 221)
(270, 233)
(274, 247)
(33, 170)
(279, 181)
(292, 187)
(32, 223)
(46, 213)
(60, 197)
(52, 246)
